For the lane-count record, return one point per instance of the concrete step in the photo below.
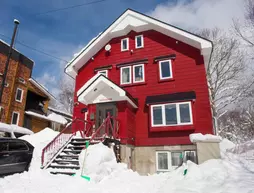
(66, 162)
(73, 167)
(76, 157)
(63, 173)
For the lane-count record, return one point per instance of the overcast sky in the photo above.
(64, 33)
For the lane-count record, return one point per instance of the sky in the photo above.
(64, 33)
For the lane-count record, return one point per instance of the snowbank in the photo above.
(39, 141)
(57, 118)
(199, 137)
(14, 129)
(225, 145)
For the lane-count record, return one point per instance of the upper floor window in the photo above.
(19, 95)
(139, 41)
(165, 69)
(15, 118)
(103, 72)
(171, 114)
(125, 44)
(137, 72)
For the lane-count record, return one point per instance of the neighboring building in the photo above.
(152, 77)
(25, 101)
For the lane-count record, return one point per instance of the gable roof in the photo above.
(41, 88)
(132, 20)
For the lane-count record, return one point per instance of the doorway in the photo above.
(102, 111)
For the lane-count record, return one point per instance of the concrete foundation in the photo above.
(207, 151)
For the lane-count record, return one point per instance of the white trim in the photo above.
(132, 20)
(21, 97)
(101, 72)
(15, 112)
(121, 71)
(42, 88)
(177, 114)
(127, 44)
(170, 68)
(142, 41)
(169, 161)
(143, 70)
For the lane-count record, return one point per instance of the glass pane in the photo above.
(171, 118)
(165, 69)
(190, 155)
(125, 75)
(139, 41)
(138, 73)
(18, 97)
(157, 115)
(124, 44)
(162, 161)
(185, 113)
(17, 146)
(103, 73)
(176, 159)
(15, 118)
(3, 146)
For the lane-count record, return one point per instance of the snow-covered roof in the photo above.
(132, 20)
(59, 111)
(14, 128)
(199, 137)
(42, 88)
(51, 117)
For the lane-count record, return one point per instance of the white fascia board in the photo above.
(131, 20)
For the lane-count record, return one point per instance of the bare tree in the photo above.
(226, 77)
(245, 30)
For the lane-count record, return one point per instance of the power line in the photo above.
(71, 7)
(34, 49)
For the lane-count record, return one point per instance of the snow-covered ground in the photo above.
(228, 175)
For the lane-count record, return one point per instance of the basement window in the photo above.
(15, 118)
(125, 44)
(139, 41)
(171, 114)
(19, 95)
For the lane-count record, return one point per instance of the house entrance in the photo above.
(102, 111)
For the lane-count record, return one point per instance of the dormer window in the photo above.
(125, 44)
(139, 41)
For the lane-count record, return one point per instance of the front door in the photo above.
(102, 111)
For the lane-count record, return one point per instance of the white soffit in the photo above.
(131, 20)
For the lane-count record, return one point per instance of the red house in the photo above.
(152, 77)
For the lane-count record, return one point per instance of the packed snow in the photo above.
(199, 137)
(227, 175)
(51, 117)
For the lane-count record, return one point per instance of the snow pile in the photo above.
(99, 161)
(225, 145)
(57, 118)
(39, 141)
(199, 137)
(14, 129)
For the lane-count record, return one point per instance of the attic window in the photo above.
(139, 41)
(103, 72)
(125, 44)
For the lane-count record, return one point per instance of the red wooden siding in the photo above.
(188, 75)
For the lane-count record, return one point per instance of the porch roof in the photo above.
(99, 89)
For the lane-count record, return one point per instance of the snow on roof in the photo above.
(132, 20)
(41, 88)
(59, 111)
(199, 137)
(14, 128)
(51, 117)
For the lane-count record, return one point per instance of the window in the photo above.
(126, 75)
(162, 161)
(139, 41)
(190, 155)
(103, 72)
(15, 118)
(125, 44)
(17, 146)
(171, 114)
(138, 73)
(19, 95)
(176, 159)
(3, 146)
(165, 69)
(22, 80)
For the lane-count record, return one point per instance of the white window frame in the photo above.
(142, 41)
(170, 67)
(143, 70)
(127, 40)
(21, 98)
(177, 114)
(195, 155)
(121, 71)
(22, 80)
(182, 152)
(101, 72)
(15, 112)
(169, 161)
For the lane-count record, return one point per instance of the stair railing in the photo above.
(63, 137)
